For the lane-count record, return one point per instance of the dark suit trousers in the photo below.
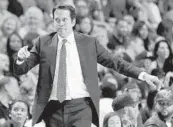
(73, 113)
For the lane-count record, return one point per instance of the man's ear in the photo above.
(10, 115)
(74, 22)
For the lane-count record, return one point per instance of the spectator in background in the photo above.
(148, 36)
(165, 27)
(19, 114)
(152, 10)
(14, 43)
(10, 25)
(134, 47)
(85, 25)
(164, 6)
(82, 9)
(4, 13)
(34, 22)
(162, 51)
(108, 88)
(148, 110)
(163, 103)
(119, 34)
(102, 36)
(133, 89)
(9, 88)
(126, 112)
(130, 20)
(111, 22)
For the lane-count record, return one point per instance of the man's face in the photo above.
(33, 20)
(122, 28)
(63, 22)
(163, 107)
(9, 26)
(82, 8)
(19, 112)
(143, 32)
(3, 4)
(85, 25)
(114, 121)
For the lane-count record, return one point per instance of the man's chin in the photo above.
(165, 114)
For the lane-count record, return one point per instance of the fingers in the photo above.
(23, 53)
(26, 48)
(151, 84)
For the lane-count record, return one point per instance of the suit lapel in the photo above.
(53, 47)
(81, 47)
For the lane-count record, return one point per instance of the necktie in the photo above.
(61, 86)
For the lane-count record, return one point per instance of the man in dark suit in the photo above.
(67, 93)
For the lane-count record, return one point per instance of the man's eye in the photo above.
(65, 20)
(57, 20)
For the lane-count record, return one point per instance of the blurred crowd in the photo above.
(139, 31)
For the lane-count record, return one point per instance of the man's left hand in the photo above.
(152, 81)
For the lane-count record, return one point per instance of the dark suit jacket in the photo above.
(90, 53)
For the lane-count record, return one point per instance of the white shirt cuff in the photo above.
(19, 62)
(141, 76)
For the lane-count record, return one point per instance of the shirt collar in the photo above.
(70, 38)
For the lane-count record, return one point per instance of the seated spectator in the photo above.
(119, 35)
(82, 8)
(165, 28)
(102, 36)
(85, 25)
(10, 25)
(130, 20)
(20, 116)
(162, 51)
(4, 13)
(28, 83)
(133, 89)
(126, 112)
(108, 93)
(148, 110)
(9, 88)
(14, 43)
(163, 104)
(148, 36)
(34, 22)
(134, 47)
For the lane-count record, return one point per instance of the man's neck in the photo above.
(66, 36)
(15, 124)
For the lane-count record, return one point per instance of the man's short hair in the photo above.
(65, 7)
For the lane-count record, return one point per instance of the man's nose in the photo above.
(61, 23)
(19, 113)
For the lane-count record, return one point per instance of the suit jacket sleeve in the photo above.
(118, 64)
(30, 62)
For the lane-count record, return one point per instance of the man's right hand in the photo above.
(23, 53)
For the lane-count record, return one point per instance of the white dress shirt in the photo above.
(76, 87)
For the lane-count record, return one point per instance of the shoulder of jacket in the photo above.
(84, 36)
